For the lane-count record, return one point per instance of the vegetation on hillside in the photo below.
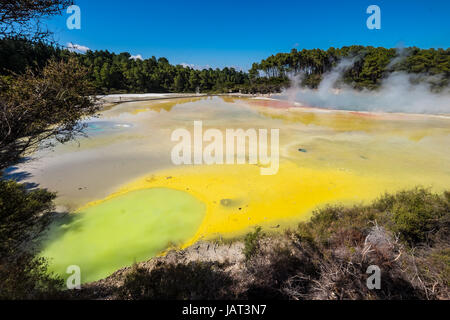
(112, 73)
(369, 65)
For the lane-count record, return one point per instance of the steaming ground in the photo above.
(397, 93)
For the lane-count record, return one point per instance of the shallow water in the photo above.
(133, 227)
(325, 157)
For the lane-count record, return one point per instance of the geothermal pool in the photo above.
(128, 202)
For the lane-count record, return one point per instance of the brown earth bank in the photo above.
(405, 235)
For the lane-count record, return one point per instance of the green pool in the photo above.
(116, 233)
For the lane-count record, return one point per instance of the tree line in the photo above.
(120, 73)
(370, 65)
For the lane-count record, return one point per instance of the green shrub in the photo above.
(251, 243)
(331, 223)
(20, 211)
(27, 278)
(23, 214)
(414, 213)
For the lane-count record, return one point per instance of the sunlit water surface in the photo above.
(129, 202)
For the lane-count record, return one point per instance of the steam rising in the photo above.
(398, 93)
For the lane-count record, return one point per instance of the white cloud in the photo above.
(194, 66)
(137, 57)
(77, 48)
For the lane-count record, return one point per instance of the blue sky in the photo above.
(236, 33)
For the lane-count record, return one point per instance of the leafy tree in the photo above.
(24, 17)
(38, 106)
(44, 93)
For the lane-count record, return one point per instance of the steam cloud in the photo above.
(396, 94)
